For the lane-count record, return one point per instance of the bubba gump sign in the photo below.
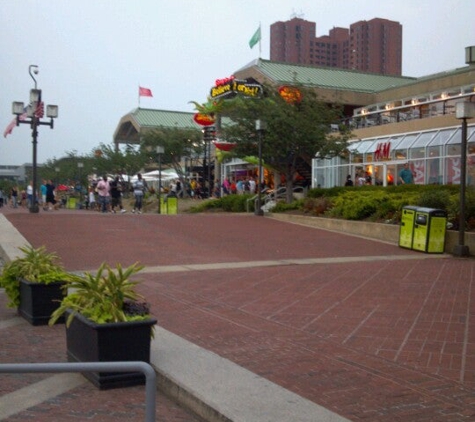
(230, 87)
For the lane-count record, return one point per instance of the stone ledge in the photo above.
(383, 232)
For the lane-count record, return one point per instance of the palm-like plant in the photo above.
(101, 297)
(36, 266)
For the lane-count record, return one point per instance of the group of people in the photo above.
(24, 198)
(109, 195)
(406, 177)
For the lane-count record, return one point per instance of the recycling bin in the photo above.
(429, 230)
(168, 205)
(406, 229)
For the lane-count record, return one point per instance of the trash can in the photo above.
(169, 205)
(406, 229)
(429, 230)
(71, 204)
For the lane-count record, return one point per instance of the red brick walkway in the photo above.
(373, 338)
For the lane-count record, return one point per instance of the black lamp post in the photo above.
(463, 110)
(261, 126)
(80, 167)
(160, 150)
(34, 112)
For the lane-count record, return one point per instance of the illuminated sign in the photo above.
(290, 94)
(204, 119)
(230, 87)
(383, 151)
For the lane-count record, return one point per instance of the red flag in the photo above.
(145, 92)
(9, 129)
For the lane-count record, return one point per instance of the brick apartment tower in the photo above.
(373, 46)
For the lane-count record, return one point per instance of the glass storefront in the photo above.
(433, 156)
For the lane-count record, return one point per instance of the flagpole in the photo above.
(260, 38)
(138, 92)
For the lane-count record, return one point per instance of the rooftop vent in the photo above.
(470, 55)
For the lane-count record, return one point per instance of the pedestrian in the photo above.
(116, 195)
(405, 175)
(50, 199)
(92, 199)
(140, 187)
(43, 194)
(103, 191)
(349, 182)
(14, 196)
(29, 195)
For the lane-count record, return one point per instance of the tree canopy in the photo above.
(296, 128)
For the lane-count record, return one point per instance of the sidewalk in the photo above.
(352, 328)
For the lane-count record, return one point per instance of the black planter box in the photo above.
(38, 301)
(112, 342)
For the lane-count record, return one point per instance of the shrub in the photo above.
(228, 203)
(282, 206)
(438, 199)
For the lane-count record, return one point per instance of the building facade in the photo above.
(373, 46)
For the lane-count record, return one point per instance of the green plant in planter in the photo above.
(104, 297)
(35, 266)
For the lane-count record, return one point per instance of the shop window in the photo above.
(417, 152)
(433, 151)
(454, 149)
(434, 174)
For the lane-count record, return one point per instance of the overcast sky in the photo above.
(93, 54)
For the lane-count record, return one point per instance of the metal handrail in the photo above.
(145, 368)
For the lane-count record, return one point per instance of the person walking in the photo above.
(14, 196)
(116, 195)
(103, 190)
(50, 199)
(139, 191)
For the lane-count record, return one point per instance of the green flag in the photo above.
(255, 38)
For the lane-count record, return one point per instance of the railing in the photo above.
(145, 368)
(274, 195)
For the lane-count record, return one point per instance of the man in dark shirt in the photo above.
(116, 195)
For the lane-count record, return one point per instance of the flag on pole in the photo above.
(9, 129)
(255, 38)
(40, 110)
(145, 92)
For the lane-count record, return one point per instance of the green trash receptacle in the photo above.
(430, 227)
(406, 229)
(169, 205)
(172, 205)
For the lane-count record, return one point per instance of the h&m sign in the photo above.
(383, 151)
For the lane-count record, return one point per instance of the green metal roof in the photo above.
(327, 77)
(146, 117)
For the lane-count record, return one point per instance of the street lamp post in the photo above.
(261, 126)
(80, 167)
(160, 150)
(463, 110)
(34, 112)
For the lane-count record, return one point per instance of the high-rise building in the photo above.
(369, 46)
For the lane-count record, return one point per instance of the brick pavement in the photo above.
(375, 333)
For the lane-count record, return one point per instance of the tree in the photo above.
(298, 128)
(177, 143)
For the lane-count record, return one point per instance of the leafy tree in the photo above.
(177, 143)
(295, 130)
(109, 160)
